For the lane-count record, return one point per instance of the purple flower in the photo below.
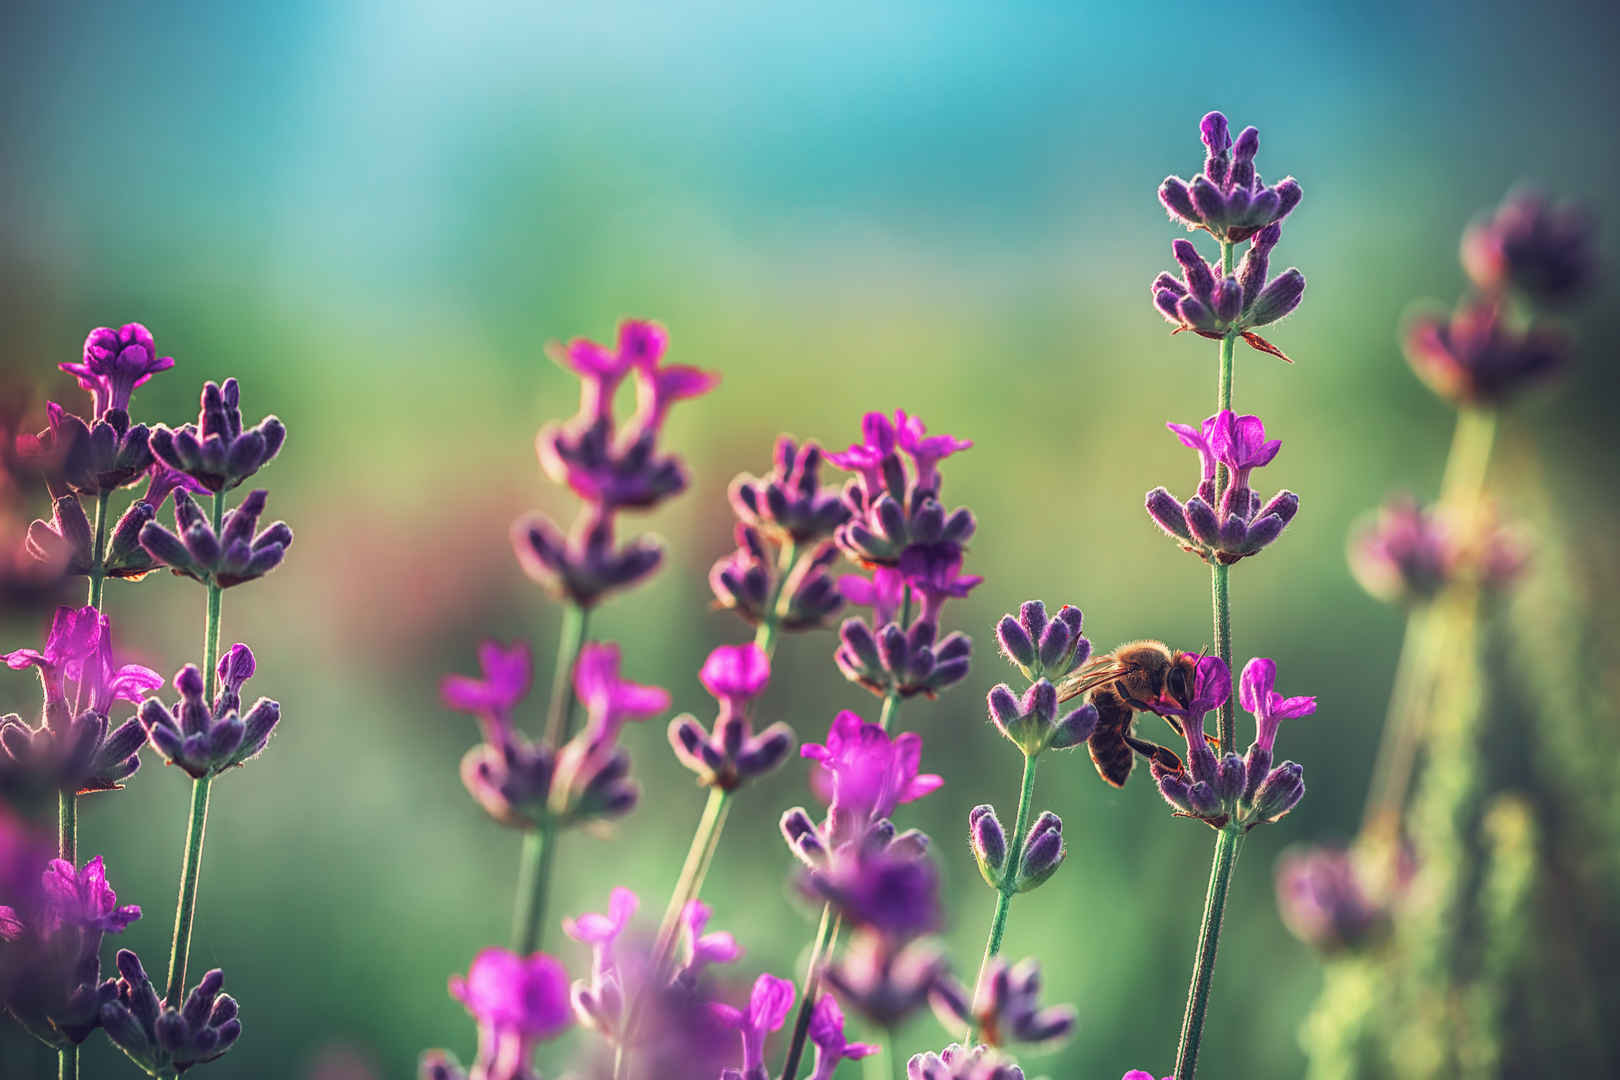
(602, 369)
(1212, 685)
(870, 773)
(1406, 553)
(957, 1062)
(700, 949)
(896, 896)
(217, 451)
(1545, 250)
(115, 363)
(206, 738)
(161, 1039)
(1005, 1006)
(1213, 305)
(926, 451)
(1142, 1074)
(585, 566)
(790, 501)
(827, 1033)
(767, 1010)
(84, 898)
(1235, 524)
(891, 509)
(883, 592)
(934, 570)
(1258, 695)
(1199, 439)
(1474, 357)
(506, 671)
(736, 674)
(1228, 198)
(608, 699)
(658, 388)
(868, 457)
(236, 554)
(518, 1001)
(1329, 901)
(90, 459)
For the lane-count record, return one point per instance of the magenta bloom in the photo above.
(608, 699)
(768, 1007)
(1239, 443)
(1141, 1074)
(895, 895)
(883, 592)
(84, 898)
(1198, 438)
(935, 571)
(657, 389)
(702, 949)
(78, 648)
(878, 442)
(115, 363)
(1326, 899)
(926, 451)
(736, 674)
(602, 369)
(1258, 695)
(507, 673)
(827, 1033)
(517, 1001)
(870, 773)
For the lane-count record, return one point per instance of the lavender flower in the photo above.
(599, 1002)
(733, 754)
(1228, 198)
(1475, 358)
(609, 700)
(1141, 1074)
(1213, 305)
(162, 1040)
(90, 459)
(74, 752)
(790, 502)
(216, 451)
(518, 1002)
(1233, 524)
(1543, 249)
(768, 1006)
(883, 980)
(1005, 1007)
(957, 1062)
(115, 363)
(699, 949)
(584, 566)
(506, 676)
(1043, 647)
(884, 656)
(206, 739)
(1032, 723)
(866, 774)
(232, 556)
(747, 578)
(1329, 901)
(894, 895)
(891, 510)
(1408, 553)
(827, 1034)
(51, 937)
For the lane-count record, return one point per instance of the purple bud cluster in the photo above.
(160, 1038)
(611, 468)
(1039, 854)
(1329, 900)
(1233, 523)
(207, 738)
(1233, 791)
(1475, 357)
(778, 571)
(893, 509)
(216, 451)
(733, 753)
(1043, 650)
(239, 551)
(1228, 199)
(957, 1062)
(1543, 249)
(87, 458)
(1006, 1007)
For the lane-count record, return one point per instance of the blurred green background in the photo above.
(376, 214)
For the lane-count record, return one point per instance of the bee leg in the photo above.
(1161, 756)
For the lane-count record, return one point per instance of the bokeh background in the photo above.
(376, 214)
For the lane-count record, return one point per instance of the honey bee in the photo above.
(1135, 677)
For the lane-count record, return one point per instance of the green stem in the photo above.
(1470, 456)
(826, 937)
(191, 864)
(571, 639)
(534, 871)
(1220, 595)
(98, 558)
(186, 907)
(67, 1063)
(699, 857)
(786, 563)
(1009, 876)
(1227, 846)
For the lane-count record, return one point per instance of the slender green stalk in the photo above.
(571, 638)
(770, 626)
(1009, 877)
(1220, 595)
(539, 851)
(886, 1063)
(98, 558)
(186, 907)
(826, 938)
(705, 841)
(191, 864)
(534, 872)
(1227, 846)
(1470, 456)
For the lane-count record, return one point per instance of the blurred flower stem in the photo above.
(191, 864)
(1426, 638)
(765, 636)
(1230, 839)
(539, 851)
(705, 840)
(1009, 881)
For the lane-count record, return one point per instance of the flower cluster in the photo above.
(70, 751)
(1006, 1007)
(216, 451)
(1228, 199)
(232, 553)
(1043, 649)
(1330, 901)
(1407, 553)
(733, 753)
(610, 468)
(778, 571)
(1233, 523)
(162, 1039)
(518, 1002)
(206, 738)
(1233, 791)
(957, 1062)
(1537, 247)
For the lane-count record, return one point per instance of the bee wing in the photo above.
(1104, 669)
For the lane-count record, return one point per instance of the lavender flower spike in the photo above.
(233, 556)
(1543, 249)
(206, 739)
(217, 451)
(505, 682)
(768, 1006)
(115, 363)
(733, 754)
(1228, 198)
(827, 1034)
(161, 1039)
(518, 1001)
(957, 1062)
(1005, 1007)
(870, 773)
(1212, 305)
(1475, 358)
(91, 459)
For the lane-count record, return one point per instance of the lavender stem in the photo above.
(1227, 845)
(826, 938)
(705, 840)
(765, 636)
(539, 851)
(191, 864)
(1004, 892)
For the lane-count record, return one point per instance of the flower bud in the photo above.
(1043, 852)
(989, 843)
